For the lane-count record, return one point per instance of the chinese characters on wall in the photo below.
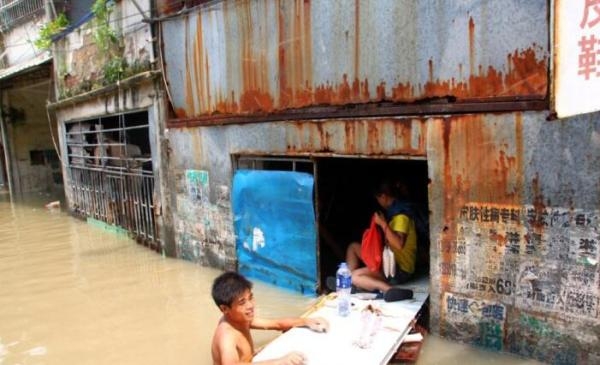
(589, 41)
(543, 258)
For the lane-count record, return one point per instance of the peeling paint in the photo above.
(252, 57)
(509, 232)
(203, 231)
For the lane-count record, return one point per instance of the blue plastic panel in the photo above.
(274, 224)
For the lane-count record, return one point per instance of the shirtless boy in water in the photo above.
(232, 341)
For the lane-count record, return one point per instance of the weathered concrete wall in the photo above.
(17, 43)
(204, 226)
(515, 220)
(28, 130)
(143, 95)
(80, 66)
(515, 231)
(257, 56)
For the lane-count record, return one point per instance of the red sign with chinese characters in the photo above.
(576, 57)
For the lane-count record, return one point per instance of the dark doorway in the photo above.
(345, 203)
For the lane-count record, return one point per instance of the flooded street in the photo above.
(72, 293)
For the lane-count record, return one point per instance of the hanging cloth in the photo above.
(371, 248)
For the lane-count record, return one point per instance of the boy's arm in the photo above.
(316, 324)
(394, 232)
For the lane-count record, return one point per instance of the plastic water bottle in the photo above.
(343, 285)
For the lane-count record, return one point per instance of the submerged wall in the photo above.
(514, 197)
(34, 163)
(514, 225)
(515, 229)
(201, 167)
(142, 93)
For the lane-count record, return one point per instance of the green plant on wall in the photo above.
(114, 69)
(105, 36)
(108, 41)
(49, 30)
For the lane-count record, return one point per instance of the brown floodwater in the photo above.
(73, 293)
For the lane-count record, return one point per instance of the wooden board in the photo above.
(338, 346)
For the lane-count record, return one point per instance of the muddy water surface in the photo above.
(72, 293)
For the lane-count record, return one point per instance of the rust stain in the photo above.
(285, 95)
(502, 170)
(373, 138)
(225, 106)
(488, 173)
(538, 197)
(448, 230)
(380, 89)
(180, 112)
(430, 68)
(350, 136)
(189, 93)
(527, 75)
(343, 91)
(524, 74)
(295, 57)
(538, 205)
(324, 94)
(518, 160)
(253, 101)
(471, 46)
(319, 137)
(403, 92)
(199, 61)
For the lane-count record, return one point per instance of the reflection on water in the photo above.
(71, 293)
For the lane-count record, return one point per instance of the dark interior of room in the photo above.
(346, 203)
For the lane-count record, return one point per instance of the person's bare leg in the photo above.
(365, 279)
(353, 258)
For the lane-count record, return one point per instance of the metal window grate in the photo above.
(110, 173)
(15, 11)
(120, 199)
(273, 163)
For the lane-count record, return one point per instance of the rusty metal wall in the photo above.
(515, 231)
(257, 56)
(515, 223)
(204, 229)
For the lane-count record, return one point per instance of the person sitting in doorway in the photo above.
(399, 233)
(232, 342)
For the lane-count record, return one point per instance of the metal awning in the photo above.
(25, 66)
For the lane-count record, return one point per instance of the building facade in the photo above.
(285, 109)
(110, 111)
(248, 134)
(28, 161)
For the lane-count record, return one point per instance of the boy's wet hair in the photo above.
(228, 286)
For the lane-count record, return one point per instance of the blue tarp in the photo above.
(274, 223)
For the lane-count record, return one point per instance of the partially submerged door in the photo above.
(274, 223)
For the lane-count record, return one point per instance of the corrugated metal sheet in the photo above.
(366, 137)
(514, 232)
(257, 56)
